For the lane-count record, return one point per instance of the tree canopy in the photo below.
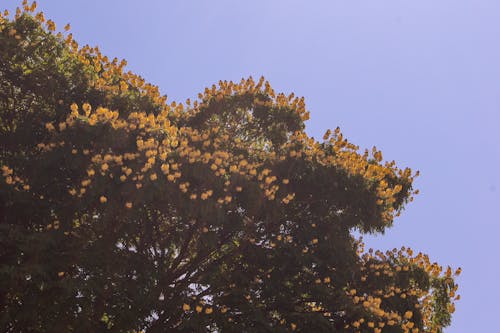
(122, 212)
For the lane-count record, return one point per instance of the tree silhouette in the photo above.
(121, 212)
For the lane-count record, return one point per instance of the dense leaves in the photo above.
(122, 212)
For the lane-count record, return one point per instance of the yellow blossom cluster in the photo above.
(161, 145)
(387, 265)
(13, 180)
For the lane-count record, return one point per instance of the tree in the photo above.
(121, 212)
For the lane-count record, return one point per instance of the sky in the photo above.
(418, 79)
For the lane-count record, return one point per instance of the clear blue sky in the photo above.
(419, 79)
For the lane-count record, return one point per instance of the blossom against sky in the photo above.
(418, 79)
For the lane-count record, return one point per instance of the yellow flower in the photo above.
(165, 168)
(327, 134)
(103, 199)
(60, 274)
(199, 308)
(49, 127)
(208, 310)
(123, 86)
(51, 25)
(186, 307)
(86, 108)
(92, 120)
(128, 205)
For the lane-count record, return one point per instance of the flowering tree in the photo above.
(122, 212)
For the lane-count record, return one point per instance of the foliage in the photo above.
(121, 212)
